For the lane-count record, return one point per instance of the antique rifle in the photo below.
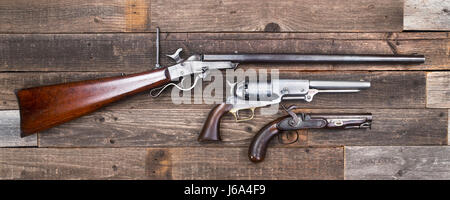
(298, 121)
(44, 107)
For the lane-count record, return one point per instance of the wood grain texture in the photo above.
(169, 163)
(419, 162)
(10, 130)
(427, 15)
(43, 163)
(136, 52)
(388, 90)
(214, 16)
(438, 90)
(276, 16)
(68, 16)
(44, 107)
(141, 127)
(233, 163)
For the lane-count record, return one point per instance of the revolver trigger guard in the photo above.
(235, 113)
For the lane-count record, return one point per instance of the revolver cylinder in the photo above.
(292, 89)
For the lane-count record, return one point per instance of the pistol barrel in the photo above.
(313, 58)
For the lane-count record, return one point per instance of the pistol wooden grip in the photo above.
(210, 130)
(258, 146)
(47, 106)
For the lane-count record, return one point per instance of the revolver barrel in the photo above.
(339, 85)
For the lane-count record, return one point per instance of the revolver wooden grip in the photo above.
(210, 130)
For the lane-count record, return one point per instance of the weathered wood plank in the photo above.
(438, 89)
(169, 163)
(275, 16)
(281, 163)
(397, 162)
(200, 16)
(316, 36)
(155, 127)
(50, 16)
(10, 130)
(98, 163)
(388, 89)
(426, 15)
(136, 52)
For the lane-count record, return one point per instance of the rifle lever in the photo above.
(162, 88)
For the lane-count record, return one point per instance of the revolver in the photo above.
(249, 95)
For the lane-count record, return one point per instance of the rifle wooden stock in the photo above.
(47, 106)
(210, 130)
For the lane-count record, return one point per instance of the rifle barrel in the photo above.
(313, 58)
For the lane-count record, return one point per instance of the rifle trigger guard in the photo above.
(200, 76)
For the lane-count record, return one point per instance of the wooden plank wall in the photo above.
(54, 41)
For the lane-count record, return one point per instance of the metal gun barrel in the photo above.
(339, 85)
(366, 116)
(313, 58)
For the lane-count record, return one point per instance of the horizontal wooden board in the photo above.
(136, 52)
(169, 163)
(179, 127)
(419, 162)
(42, 163)
(396, 36)
(275, 16)
(438, 90)
(50, 16)
(427, 15)
(10, 130)
(68, 16)
(388, 90)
